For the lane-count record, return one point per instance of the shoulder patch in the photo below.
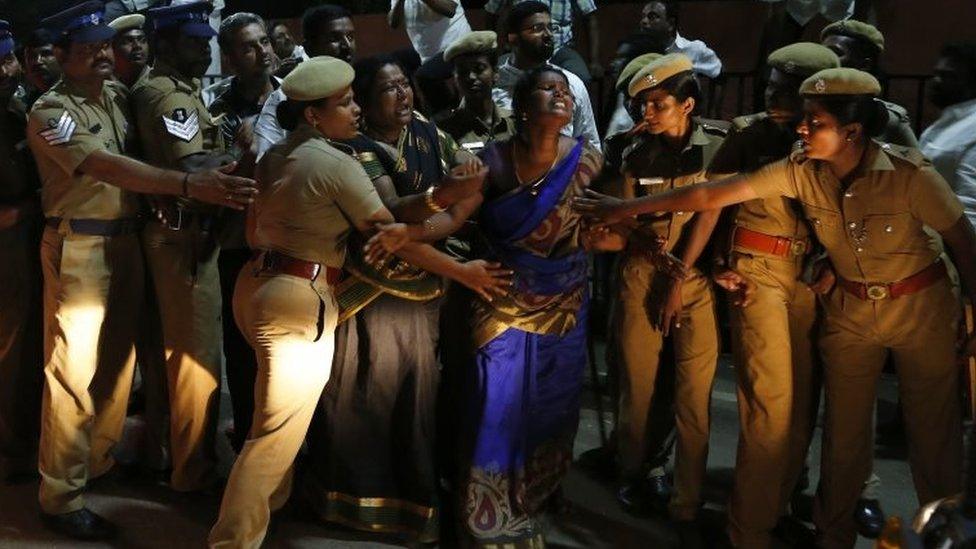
(182, 125)
(59, 130)
(743, 122)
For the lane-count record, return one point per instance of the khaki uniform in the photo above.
(182, 258)
(92, 290)
(874, 233)
(772, 340)
(21, 375)
(472, 133)
(310, 193)
(696, 341)
(898, 130)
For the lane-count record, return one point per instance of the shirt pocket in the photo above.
(891, 233)
(826, 223)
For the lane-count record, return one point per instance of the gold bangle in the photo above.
(431, 203)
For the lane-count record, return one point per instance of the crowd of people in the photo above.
(388, 258)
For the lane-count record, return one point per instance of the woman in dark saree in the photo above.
(520, 394)
(371, 459)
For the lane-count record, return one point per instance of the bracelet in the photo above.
(186, 185)
(429, 225)
(431, 203)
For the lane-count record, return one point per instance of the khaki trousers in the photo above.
(696, 353)
(21, 359)
(92, 296)
(919, 330)
(183, 265)
(291, 324)
(772, 345)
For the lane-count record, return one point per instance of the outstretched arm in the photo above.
(961, 241)
(706, 196)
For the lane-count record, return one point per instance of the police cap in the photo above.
(6, 39)
(658, 71)
(631, 68)
(317, 78)
(81, 24)
(855, 29)
(473, 42)
(803, 59)
(841, 81)
(192, 19)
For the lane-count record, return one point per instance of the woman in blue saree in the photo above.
(520, 396)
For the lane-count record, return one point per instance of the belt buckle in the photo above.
(315, 271)
(798, 247)
(877, 292)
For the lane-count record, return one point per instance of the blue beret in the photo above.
(192, 19)
(82, 24)
(6, 39)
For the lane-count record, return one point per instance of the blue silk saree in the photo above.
(521, 395)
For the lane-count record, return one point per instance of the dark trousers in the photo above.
(241, 364)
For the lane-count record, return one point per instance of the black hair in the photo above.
(865, 110)
(290, 112)
(963, 53)
(275, 23)
(316, 16)
(522, 11)
(683, 85)
(366, 71)
(39, 37)
(234, 23)
(671, 8)
(524, 87)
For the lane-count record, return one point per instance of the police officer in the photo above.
(660, 292)
(285, 301)
(477, 121)
(859, 46)
(764, 249)
(20, 304)
(131, 49)
(176, 131)
(872, 206)
(79, 132)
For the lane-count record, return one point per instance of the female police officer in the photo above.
(868, 204)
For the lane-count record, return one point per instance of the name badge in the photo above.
(648, 181)
(475, 146)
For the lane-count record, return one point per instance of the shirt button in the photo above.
(888, 228)
(852, 224)
(848, 194)
(859, 249)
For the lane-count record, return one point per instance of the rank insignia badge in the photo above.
(181, 125)
(59, 130)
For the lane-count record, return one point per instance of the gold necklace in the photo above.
(534, 185)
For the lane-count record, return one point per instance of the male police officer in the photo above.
(177, 132)
(131, 49)
(79, 132)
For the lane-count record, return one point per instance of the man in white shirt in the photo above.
(328, 30)
(432, 26)
(661, 18)
(530, 35)
(950, 142)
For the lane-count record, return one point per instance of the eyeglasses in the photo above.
(540, 27)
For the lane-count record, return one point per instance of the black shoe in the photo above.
(794, 533)
(643, 497)
(82, 524)
(869, 517)
(660, 491)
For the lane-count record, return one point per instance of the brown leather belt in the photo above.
(875, 291)
(279, 263)
(769, 244)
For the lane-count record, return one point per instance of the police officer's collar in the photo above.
(66, 87)
(163, 68)
(498, 115)
(876, 157)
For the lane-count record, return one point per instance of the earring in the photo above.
(850, 139)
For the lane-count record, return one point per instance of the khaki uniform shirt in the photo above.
(873, 229)
(312, 195)
(65, 127)
(898, 130)
(471, 133)
(755, 141)
(173, 122)
(649, 167)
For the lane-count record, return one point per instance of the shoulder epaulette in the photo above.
(908, 154)
(743, 122)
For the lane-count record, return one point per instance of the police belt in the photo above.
(185, 218)
(875, 291)
(98, 227)
(274, 262)
(769, 244)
